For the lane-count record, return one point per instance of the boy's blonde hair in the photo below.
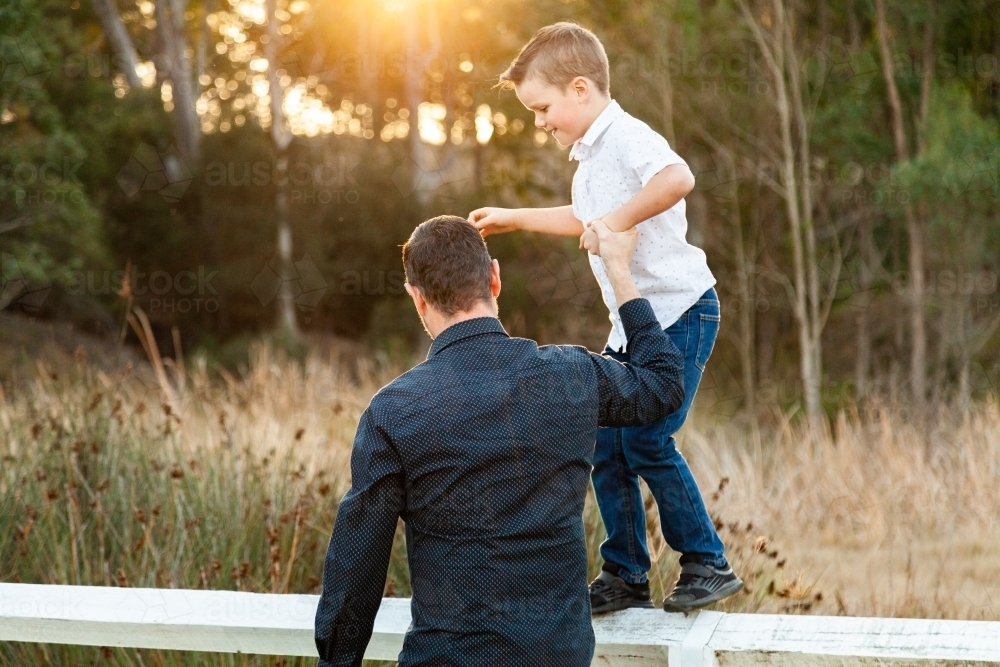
(557, 54)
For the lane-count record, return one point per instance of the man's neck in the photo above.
(439, 324)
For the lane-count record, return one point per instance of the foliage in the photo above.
(360, 182)
(49, 222)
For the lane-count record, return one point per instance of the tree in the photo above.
(281, 138)
(810, 302)
(914, 225)
(49, 226)
(170, 56)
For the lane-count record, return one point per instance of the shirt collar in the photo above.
(465, 329)
(596, 129)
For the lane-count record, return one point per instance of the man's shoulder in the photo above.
(403, 387)
(430, 375)
(570, 355)
(561, 350)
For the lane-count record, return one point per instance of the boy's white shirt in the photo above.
(618, 156)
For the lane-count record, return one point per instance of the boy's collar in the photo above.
(596, 129)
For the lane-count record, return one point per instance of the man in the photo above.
(485, 451)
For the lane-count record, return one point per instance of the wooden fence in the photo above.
(234, 622)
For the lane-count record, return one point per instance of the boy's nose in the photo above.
(539, 121)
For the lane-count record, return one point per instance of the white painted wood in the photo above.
(231, 622)
(695, 651)
(889, 638)
(639, 637)
(224, 621)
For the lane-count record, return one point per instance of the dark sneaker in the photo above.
(700, 585)
(610, 593)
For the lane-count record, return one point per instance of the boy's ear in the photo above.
(581, 88)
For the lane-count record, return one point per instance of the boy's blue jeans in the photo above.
(623, 455)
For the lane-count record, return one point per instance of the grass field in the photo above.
(198, 478)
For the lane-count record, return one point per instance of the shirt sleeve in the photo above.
(358, 554)
(647, 153)
(651, 385)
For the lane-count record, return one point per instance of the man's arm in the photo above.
(358, 555)
(651, 385)
(558, 220)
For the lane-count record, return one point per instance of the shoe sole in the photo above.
(721, 594)
(621, 604)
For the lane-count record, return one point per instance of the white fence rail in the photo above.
(233, 622)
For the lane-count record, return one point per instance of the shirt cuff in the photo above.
(636, 314)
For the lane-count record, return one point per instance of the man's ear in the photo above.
(418, 299)
(495, 278)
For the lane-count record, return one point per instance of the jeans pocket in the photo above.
(708, 331)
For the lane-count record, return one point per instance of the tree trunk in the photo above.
(807, 357)
(853, 31)
(171, 63)
(823, 18)
(808, 227)
(187, 129)
(804, 290)
(918, 349)
(662, 54)
(747, 311)
(926, 78)
(866, 265)
(367, 59)
(281, 138)
(204, 39)
(120, 40)
(898, 334)
(421, 154)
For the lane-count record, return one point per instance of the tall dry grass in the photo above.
(885, 515)
(198, 478)
(164, 478)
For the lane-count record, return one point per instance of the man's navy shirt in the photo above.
(484, 450)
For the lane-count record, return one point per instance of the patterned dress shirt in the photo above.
(484, 450)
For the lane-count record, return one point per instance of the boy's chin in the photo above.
(563, 141)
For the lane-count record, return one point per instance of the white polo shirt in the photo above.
(618, 155)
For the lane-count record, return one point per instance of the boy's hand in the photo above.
(491, 220)
(589, 240)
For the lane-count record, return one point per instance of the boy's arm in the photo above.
(662, 192)
(558, 220)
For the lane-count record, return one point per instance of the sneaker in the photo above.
(700, 585)
(610, 592)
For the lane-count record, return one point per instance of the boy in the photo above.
(628, 177)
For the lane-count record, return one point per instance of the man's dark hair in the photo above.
(447, 259)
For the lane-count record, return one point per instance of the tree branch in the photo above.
(120, 40)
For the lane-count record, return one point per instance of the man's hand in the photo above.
(616, 254)
(589, 240)
(491, 220)
(616, 247)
